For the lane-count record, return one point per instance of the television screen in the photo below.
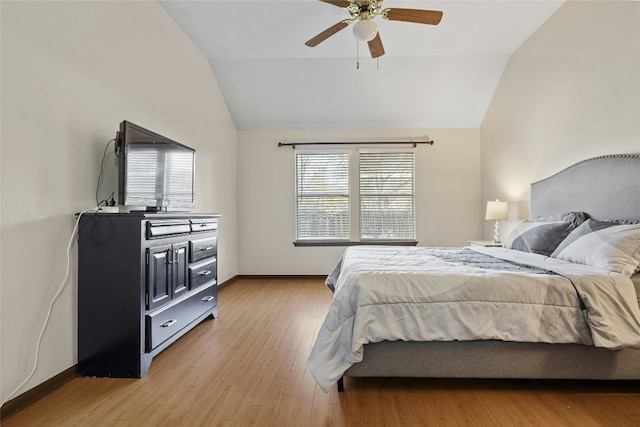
(154, 171)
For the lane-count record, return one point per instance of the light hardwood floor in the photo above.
(248, 367)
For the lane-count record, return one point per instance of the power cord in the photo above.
(109, 201)
(53, 300)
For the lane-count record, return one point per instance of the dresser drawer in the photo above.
(203, 248)
(164, 323)
(164, 228)
(200, 225)
(202, 273)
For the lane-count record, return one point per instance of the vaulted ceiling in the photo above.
(432, 76)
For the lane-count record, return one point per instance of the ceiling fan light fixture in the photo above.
(365, 30)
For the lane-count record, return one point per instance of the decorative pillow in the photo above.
(608, 245)
(628, 221)
(575, 218)
(538, 236)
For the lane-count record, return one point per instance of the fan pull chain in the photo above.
(357, 55)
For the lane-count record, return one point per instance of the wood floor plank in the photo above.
(249, 367)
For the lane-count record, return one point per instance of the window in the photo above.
(387, 196)
(383, 207)
(322, 197)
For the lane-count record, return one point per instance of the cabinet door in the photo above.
(159, 275)
(180, 266)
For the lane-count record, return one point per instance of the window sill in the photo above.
(309, 243)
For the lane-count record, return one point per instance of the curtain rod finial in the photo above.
(282, 144)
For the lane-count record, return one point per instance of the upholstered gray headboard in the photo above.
(605, 187)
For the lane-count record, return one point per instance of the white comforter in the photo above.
(406, 293)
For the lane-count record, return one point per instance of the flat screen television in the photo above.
(154, 172)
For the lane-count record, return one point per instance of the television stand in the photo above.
(144, 280)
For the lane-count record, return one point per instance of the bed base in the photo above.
(495, 360)
(604, 187)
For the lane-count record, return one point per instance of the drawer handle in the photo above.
(168, 323)
(205, 273)
(207, 298)
(208, 248)
(174, 257)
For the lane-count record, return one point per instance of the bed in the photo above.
(546, 306)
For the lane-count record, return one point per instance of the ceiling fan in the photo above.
(365, 29)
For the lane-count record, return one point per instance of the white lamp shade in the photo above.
(365, 30)
(497, 210)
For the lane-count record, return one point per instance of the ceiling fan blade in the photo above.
(431, 17)
(328, 33)
(339, 3)
(375, 47)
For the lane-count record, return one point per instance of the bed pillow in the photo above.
(539, 237)
(609, 245)
(629, 221)
(575, 218)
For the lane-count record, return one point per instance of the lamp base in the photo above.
(496, 233)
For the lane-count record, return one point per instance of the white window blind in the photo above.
(179, 175)
(387, 196)
(142, 168)
(322, 196)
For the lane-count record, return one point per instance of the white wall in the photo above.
(448, 202)
(71, 71)
(570, 92)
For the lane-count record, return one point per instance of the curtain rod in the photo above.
(414, 143)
